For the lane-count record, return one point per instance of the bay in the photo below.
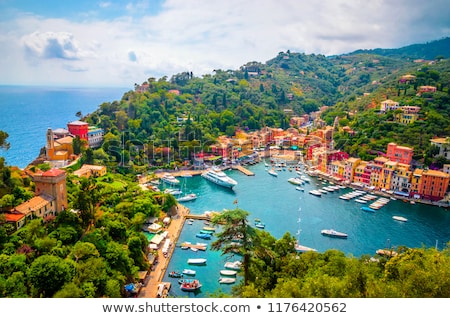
(27, 112)
(279, 205)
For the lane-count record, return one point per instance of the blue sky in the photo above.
(119, 43)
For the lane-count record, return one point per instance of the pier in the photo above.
(190, 245)
(244, 170)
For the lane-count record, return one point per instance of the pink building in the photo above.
(399, 154)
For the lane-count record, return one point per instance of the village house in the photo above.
(50, 198)
(90, 170)
(444, 146)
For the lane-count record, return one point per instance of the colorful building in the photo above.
(386, 174)
(401, 180)
(444, 146)
(399, 154)
(79, 128)
(377, 171)
(95, 136)
(58, 149)
(388, 105)
(430, 184)
(90, 170)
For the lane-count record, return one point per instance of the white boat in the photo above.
(296, 181)
(188, 271)
(197, 261)
(219, 177)
(400, 218)
(334, 233)
(173, 191)
(227, 280)
(187, 197)
(236, 265)
(272, 172)
(170, 179)
(317, 193)
(299, 189)
(228, 272)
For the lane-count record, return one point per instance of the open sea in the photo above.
(27, 112)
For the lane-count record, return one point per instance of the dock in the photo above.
(244, 170)
(190, 245)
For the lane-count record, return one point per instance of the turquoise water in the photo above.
(279, 205)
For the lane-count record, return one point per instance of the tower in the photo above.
(50, 145)
(53, 182)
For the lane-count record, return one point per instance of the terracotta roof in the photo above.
(64, 140)
(436, 173)
(14, 217)
(53, 172)
(34, 203)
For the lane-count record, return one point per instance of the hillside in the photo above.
(187, 111)
(427, 51)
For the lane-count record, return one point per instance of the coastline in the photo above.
(154, 279)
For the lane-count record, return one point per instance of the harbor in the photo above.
(276, 202)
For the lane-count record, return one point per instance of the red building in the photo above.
(79, 128)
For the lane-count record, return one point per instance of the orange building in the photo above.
(432, 184)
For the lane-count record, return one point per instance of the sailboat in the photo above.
(187, 197)
(302, 248)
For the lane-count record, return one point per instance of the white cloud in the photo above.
(52, 45)
(200, 36)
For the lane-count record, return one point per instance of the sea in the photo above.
(284, 209)
(27, 112)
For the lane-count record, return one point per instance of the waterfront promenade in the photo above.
(154, 279)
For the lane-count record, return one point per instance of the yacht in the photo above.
(170, 179)
(219, 177)
(333, 233)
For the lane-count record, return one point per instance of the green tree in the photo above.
(3, 143)
(48, 274)
(234, 227)
(76, 144)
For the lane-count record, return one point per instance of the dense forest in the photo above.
(95, 252)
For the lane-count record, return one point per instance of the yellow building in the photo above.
(90, 170)
(376, 173)
(386, 174)
(58, 149)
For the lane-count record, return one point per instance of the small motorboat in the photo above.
(400, 218)
(197, 261)
(228, 272)
(175, 274)
(367, 209)
(190, 285)
(205, 236)
(236, 265)
(189, 272)
(227, 280)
